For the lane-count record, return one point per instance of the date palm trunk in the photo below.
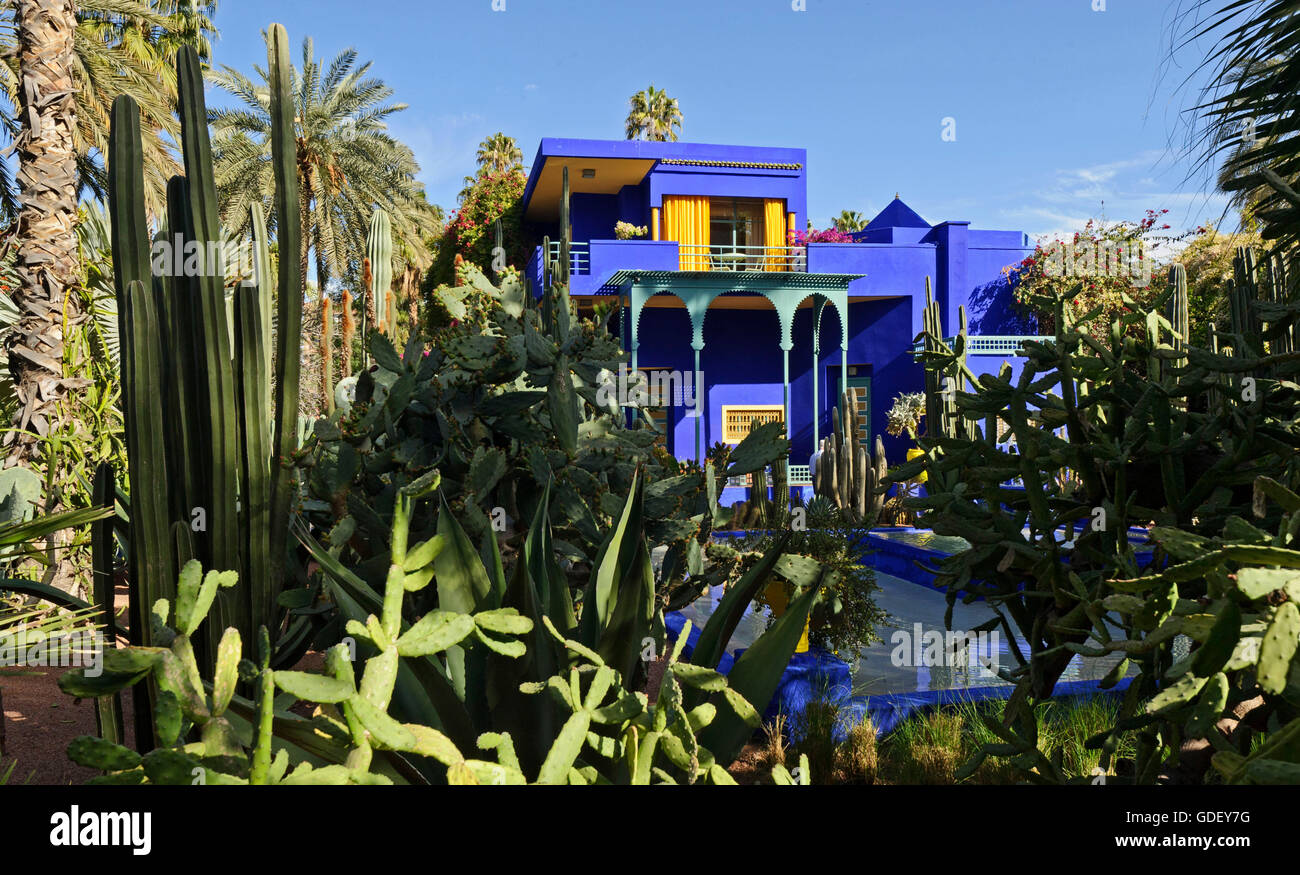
(47, 259)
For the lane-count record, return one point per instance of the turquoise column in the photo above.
(700, 406)
(816, 366)
(697, 307)
(785, 386)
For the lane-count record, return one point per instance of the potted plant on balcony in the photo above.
(904, 417)
(628, 231)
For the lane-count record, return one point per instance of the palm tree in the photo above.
(47, 245)
(121, 47)
(499, 153)
(849, 221)
(348, 162)
(64, 65)
(653, 115)
(1247, 118)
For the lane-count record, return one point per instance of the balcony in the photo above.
(591, 264)
(579, 257)
(738, 259)
(742, 259)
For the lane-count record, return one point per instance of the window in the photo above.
(737, 421)
(736, 222)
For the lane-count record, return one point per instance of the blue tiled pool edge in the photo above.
(821, 676)
(812, 676)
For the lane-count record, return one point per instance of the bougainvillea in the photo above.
(1100, 265)
(830, 235)
(628, 231)
(471, 231)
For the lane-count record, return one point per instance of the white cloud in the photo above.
(1122, 189)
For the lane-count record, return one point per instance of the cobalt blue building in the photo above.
(719, 287)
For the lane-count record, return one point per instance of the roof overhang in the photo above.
(626, 162)
(609, 176)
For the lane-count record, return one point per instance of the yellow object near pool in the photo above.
(775, 598)
(916, 453)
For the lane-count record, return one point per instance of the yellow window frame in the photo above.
(738, 419)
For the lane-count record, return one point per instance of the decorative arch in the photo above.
(785, 292)
(842, 311)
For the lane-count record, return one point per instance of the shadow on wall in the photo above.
(993, 310)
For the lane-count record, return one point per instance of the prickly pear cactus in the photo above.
(507, 408)
(600, 731)
(1150, 429)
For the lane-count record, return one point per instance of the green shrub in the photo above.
(1152, 432)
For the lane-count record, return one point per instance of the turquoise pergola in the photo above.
(785, 290)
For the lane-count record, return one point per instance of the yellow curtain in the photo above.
(774, 234)
(686, 220)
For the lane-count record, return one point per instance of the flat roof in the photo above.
(626, 162)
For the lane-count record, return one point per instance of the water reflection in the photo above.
(918, 653)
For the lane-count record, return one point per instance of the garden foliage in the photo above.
(1111, 428)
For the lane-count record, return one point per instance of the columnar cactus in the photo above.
(941, 387)
(780, 493)
(845, 473)
(367, 304)
(348, 334)
(934, 400)
(1177, 308)
(327, 352)
(210, 390)
(1280, 293)
(379, 252)
(411, 283)
(759, 517)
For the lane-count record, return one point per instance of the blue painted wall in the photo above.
(593, 216)
(741, 362)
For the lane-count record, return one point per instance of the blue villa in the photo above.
(720, 288)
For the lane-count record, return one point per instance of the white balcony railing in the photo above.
(758, 259)
(579, 257)
(705, 257)
(990, 344)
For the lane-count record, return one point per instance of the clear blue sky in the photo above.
(1057, 107)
